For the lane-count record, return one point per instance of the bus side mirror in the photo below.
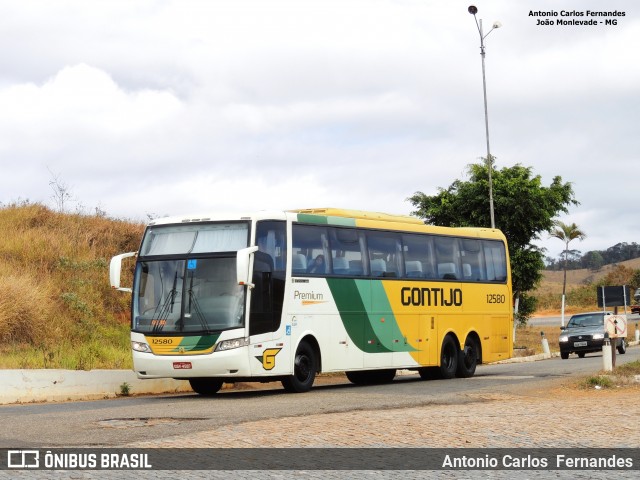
(243, 262)
(115, 268)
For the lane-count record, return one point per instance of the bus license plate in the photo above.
(181, 365)
(576, 344)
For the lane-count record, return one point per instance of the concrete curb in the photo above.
(531, 358)
(25, 386)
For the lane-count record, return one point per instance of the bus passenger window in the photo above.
(419, 260)
(298, 263)
(385, 254)
(346, 251)
(472, 260)
(448, 257)
(309, 250)
(413, 268)
(271, 239)
(496, 261)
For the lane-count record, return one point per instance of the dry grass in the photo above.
(56, 308)
(581, 286)
(26, 308)
(552, 280)
(529, 339)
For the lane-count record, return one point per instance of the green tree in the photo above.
(593, 260)
(566, 233)
(523, 206)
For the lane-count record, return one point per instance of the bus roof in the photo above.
(338, 217)
(385, 221)
(381, 217)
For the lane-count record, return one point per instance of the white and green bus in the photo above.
(284, 296)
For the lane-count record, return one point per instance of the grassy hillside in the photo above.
(581, 285)
(552, 281)
(57, 309)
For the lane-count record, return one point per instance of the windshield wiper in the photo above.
(196, 307)
(167, 307)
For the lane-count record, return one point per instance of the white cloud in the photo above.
(82, 97)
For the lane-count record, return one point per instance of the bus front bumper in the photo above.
(227, 364)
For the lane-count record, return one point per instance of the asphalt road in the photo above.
(117, 422)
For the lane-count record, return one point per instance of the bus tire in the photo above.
(448, 358)
(429, 373)
(358, 378)
(468, 359)
(371, 377)
(378, 377)
(205, 386)
(305, 366)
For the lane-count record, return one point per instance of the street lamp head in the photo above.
(472, 9)
(497, 24)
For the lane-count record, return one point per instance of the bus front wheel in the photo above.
(205, 386)
(304, 370)
(448, 358)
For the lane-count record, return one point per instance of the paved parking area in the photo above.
(557, 418)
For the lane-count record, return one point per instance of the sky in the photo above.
(146, 108)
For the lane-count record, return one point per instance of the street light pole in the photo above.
(473, 10)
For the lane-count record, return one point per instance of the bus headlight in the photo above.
(231, 344)
(564, 338)
(140, 347)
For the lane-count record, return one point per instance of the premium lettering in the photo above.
(298, 295)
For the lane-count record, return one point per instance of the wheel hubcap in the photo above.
(469, 355)
(303, 368)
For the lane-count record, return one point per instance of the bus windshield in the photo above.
(190, 295)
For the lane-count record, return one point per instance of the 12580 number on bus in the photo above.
(496, 298)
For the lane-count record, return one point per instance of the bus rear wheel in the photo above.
(468, 360)
(448, 358)
(305, 367)
(429, 373)
(205, 386)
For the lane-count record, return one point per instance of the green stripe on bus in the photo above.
(389, 331)
(198, 343)
(353, 312)
(372, 332)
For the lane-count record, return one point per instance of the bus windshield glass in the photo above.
(185, 280)
(192, 295)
